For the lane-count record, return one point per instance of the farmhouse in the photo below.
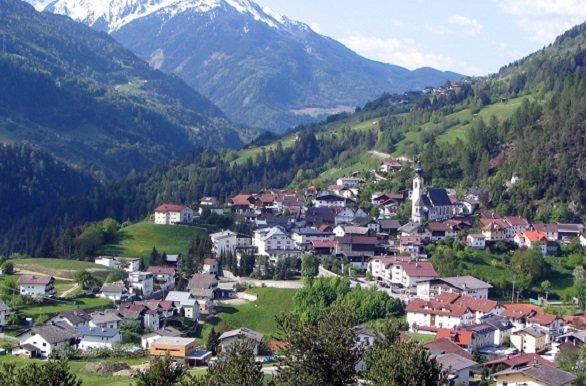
(36, 285)
(94, 337)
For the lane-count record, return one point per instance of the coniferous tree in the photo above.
(162, 372)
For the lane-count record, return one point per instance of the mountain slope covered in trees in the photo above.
(92, 103)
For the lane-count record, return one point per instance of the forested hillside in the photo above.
(91, 102)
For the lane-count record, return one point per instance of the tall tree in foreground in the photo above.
(392, 362)
(236, 366)
(322, 354)
(163, 372)
(53, 372)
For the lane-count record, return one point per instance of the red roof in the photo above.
(519, 360)
(543, 319)
(578, 320)
(165, 208)
(535, 236)
(166, 305)
(209, 261)
(521, 310)
(517, 221)
(419, 269)
(435, 308)
(160, 270)
(34, 279)
(323, 243)
(241, 199)
(460, 337)
(447, 297)
(151, 312)
(363, 240)
(476, 304)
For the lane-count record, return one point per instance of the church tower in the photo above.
(417, 192)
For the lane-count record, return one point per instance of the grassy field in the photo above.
(137, 240)
(59, 267)
(258, 315)
(421, 338)
(53, 309)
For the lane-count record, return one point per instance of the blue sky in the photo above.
(473, 37)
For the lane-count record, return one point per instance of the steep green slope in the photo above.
(89, 101)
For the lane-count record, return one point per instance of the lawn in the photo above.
(86, 304)
(258, 315)
(137, 240)
(60, 267)
(62, 286)
(421, 338)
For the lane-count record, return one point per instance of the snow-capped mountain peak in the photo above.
(111, 15)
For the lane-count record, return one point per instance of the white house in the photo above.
(422, 313)
(457, 366)
(230, 337)
(461, 285)
(274, 242)
(401, 271)
(141, 282)
(476, 241)
(151, 320)
(163, 276)
(107, 261)
(115, 262)
(349, 214)
(116, 291)
(186, 304)
(532, 239)
(105, 319)
(147, 339)
(227, 241)
(349, 182)
(74, 318)
(94, 337)
(172, 214)
(329, 200)
(42, 340)
(4, 311)
(36, 285)
(211, 266)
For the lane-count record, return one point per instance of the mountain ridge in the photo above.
(262, 69)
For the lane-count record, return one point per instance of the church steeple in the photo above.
(417, 191)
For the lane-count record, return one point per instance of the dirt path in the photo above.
(18, 271)
(379, 154)
(64, 294)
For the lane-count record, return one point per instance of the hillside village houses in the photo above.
(173, 214)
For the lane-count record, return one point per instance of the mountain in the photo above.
(261, 68)
(90, 102)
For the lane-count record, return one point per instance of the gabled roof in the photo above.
(519, 360)
(102, 317)
(361, 240)
(209, 261)
(75, 316)
(548, 375)
(454, 362)
(165, 208)
(201, 280)
(55, 333)
(182, 297)
(466, 282)
(34, 279)
(476, 304)
(543, 319)
(534, 331)
(242, 200)
(460, 337)
(161, 270)
(446, 346)
(117, 287)
(438, 197)
(98, 331)
(222, 234)
(517, 221)
(323, 243)
(518, 311)
(547, 228)
(534, 236)
(242, 332)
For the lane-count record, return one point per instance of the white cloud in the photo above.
(469, 26)
(543, 20)
(402, 52)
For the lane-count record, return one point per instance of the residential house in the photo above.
(212, 204)
(401, 271)
(242, 204)
(329, 200)
(458, 367)
(303, 237)
(389, 226)
(203, 280)
(151, 319)
(182, 350)
(275, 243)
(74, 318)
(413, 245)
(483, 335)
(116, 291)
(350, 182)
(568, 231)
(432, 314)
(227, 242)
(357, 249)
(476, 241)
(534, 375)
(94, 337)
(211, 266)
(446, 346)
(516, 225)
(4, 312)
(530, 340)
(41, 341)
(175, 261)
(516, 361)
(462, 285)
(532, 239)
(318, 216)
(364, 336)
(125, 263)
(147, 339)
(108, 261)
(348, 230)
(550, 322)
(442, 230)
(550, 230)
(230, 337)
(185, 303)
(479, 307)
(503, 327)
(163, 277)
(203, 288)
(323, 248)
(348, 214)
(105, 319)
(36, 285)
(204, 298)
(572, 340)
(391, 167)
(141, 283)
(173, 214)
(463, 338)
(494, 229)
(368, 222)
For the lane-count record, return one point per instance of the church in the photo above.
(429, 204)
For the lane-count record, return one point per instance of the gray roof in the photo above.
(543, 373)
(466, 282)
(98, 331)
(101, 317)
(168, 331)
(499, 322)
(355, 230)
(534, 331)
(439, 197)
(184, 298)
(202, 292)
(117, 287)
(389, 223)
(359, 330)
(454, 362)
(242, 332)
(55, 333)
(74, 316)
(201, 280)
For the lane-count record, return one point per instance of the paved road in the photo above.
(270, 370)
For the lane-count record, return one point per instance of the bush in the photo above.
(8, 268)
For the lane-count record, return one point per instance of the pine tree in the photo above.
(162, 372)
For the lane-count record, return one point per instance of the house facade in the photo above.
(94, 337)
(167, 214)
(36, 285)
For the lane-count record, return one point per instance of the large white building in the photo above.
(461, 285)
(274, 242)
(401, 271)
(141, 282)
(227, 241)
(172, 214)
(36, 285)
(94, 337)
(115, 262)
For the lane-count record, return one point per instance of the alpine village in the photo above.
(204, 192)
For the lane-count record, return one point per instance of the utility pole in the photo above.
(513, 293)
